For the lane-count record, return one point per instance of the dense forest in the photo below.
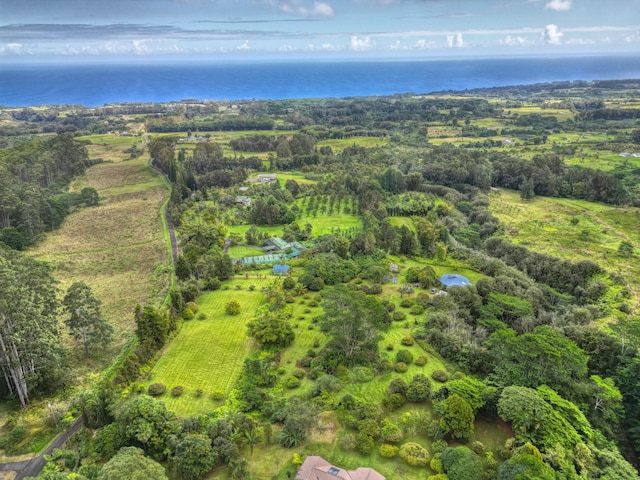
(546, 345)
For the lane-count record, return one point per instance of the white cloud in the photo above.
(455, 40)
(633, 38)
(12, 48)
(423, 44)
(558, 5)
(359, 44)
(244, 46)
(319, 9)
(514, 41)
(287, 48)
(551, 35)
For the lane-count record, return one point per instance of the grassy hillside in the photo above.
(573, 229)
(118, 247)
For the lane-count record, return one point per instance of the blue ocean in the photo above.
(99, 84)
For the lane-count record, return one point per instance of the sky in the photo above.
(179, 30)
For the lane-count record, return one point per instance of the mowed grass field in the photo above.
(208, 354)
(118, 247)
(573, 229)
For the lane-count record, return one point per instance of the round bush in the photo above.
(401, 367)
(213, 284)
(406, 303)
(289, 299)
(156, 389)
(397, 385)
(199, 393)
(388, 451)
(389, 346)
(299, 373)
(187, 314)
(313, 303)
(394, 401)
(440, 376)
(405, 356)
(421, 361)
(364, 443)
(414, 454)
(232, 307)
(193, 306)
(289, 283)
(177, 391)
(417, 309)
(391, 433)
(305, 362)
(439, 446)
(398, 316)
(217, 395)
(348, 442)
(407, 341)
(292, 382)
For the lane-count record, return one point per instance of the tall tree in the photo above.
(131, 464)
(31, 352)
(85, 321)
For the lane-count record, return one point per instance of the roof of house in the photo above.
(262, 259)
(317, 468)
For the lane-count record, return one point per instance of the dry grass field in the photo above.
(118, 247)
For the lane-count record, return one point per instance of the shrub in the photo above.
(199, 393)
(421, 361)
(417, 309)
(305, 362)
(348, 442)
(213, 284)
(407, 341)
(252, 288)
(177, 391)
(397, 385)
(156, 389)
(290, 299)
(389, 346)
(202, 316)
(299, 373)
(405, 356)
(238, 287)
(419, 390)
(438, 446)
(187, 314)
(477, 447)
(316, 343)
(364, 443)
(391, 433)
(232, 307)
(440, 376)
(406, 303)
(388, 451)
(414, 454)
(394, 401)
(313, 303)
(217, 395)
(398, 316)
(292, 382)
(385, 365)
(401, 367)
(193, 306)
(436, 464)
(289, 283)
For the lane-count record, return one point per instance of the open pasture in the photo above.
(118, 247)
(208, 353)
(339, 144)
(573, 229)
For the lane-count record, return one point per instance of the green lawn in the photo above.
(575, 230)
(239, 252)
(208, 354)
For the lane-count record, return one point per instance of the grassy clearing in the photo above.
(118, 248)
(400, 221)
(573, 229)
(338, 145)
(239, 252)
(208, 354)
